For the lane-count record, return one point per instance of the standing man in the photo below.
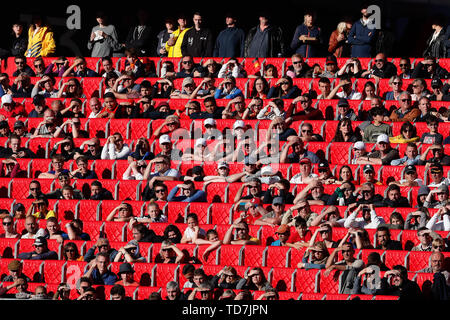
(173, 45)
(264, 40)
(361, 37)
(230, 41)
(197, 41)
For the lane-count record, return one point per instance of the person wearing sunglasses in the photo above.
(22, 67)
(428, 68)
(8, 228)
(242, 234)
(299, 68)
(101, 246)
(396, 83)
(408, 134)
(438, 245)
(71, 253)
(381, 68)
(169, 253)
(41, 251)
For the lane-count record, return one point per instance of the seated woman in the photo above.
(254, 280)
(124, 212)
(141, 151)
(369, 91)
(345, 132)
(9, 229)
(352, 67)
(129, 253)
(205, 89)
(82, 172)
(212, 239)
(408, 133)
(396, 84)
(169, 253)
(172, 233)
(284, 89)
(260, 88)
(71, 89)
(193, 232)
(315, 257)
(73, 110)
(186, 91)
(71, 253)
(226, 278)
(68, 149)
(10, 168)
(232, 68)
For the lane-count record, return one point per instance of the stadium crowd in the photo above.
(222, 168)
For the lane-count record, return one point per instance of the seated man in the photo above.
(47, 128)
(373, 130)
(304, 211)
(15, 149)
(162, 171)
(283, 232)
(347, 92)
(396, 283)
(31, 228)
(437, 178)
(313, 193)
(103, 246)
(94, 150)
(344, 111)
(368, 220)
(282, 188)
(411, 178)
(305, 175)
(299, 68)
(115, 148)
(57, 165)
(411, 157)
(98, 271)
(82, 172)
(406, 111)
(79, 69)
(64, 180)
(308, 112)
(273, 217)
(394, 198)
(167, 148)
(189, 193)
(438, 157)
(384, 155)
(441, 200)
(211, 110)
(41, 251)
(242, 235)
(384, 242)
(100, 193)
(298, 152)
(366, 195)
(39, 107)
(425, 239)
(75, 231)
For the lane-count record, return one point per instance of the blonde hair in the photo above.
(341, 27)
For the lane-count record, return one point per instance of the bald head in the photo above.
(437, 261)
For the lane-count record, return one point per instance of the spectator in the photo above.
(425, 109)
(384, 155)
(345, 132)
(433, 136)
(231, 41)
(352, 68)
(315, 257)
(40, 39)
(189, 193)
(8, 227)
(163, 36)
(343, 195)
(408, 134)
(264, 40)
(232, 68)
(22, 67)
(381, 69)
(440, 221)
(126, 276)
(15, 270)
(242, 234)
(31, 228)
(377, 128)
(103, 247)
(103, 40)
(205, 89)
(71, 89)
(79, 68)
(169, 253)
(436, 42)
(115, 148)
(368, 220)
(10, 168)
(396, 83)
(17, 42)
(41, 251)
(98, 271)
(39, 107)
(173, 291)
(197, 41)
(368, 92)
(35, 191)
(227, 89)
(299, 68)
(124, 212)
(41, 211)
(439, 157)
(313, 193)
(324, 88)
(139, 35)
(384, 241)
(97, 192)
(428, 68)
(396, 282)
(361, 37)
(254, 280)
(347, 92)
(425, 240)
(338, 44)
(82, 172)
(440, 93)
(366, 194)
(304, 211)
(173, 45)
(394, 198)
(405, 112)
(307, 38)
(331, 67)
(94, 149)
(284, 89)
(70, 252)
(129, 253)
(162, 172)
(442, 197)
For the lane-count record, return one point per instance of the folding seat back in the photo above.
(140, 128)
(94, 229)
(425, 282)
(144, 273)
(288, 295)
(330, 296)
(91, 86)
(105, 169)
(121, 126)
(409, 239)
(98, 127)
(165, 272)
(253, 256)
(312, 296)
(67, 209)
(418, 260)
(115, 231)
(217, 192)
(89, 210)
(144, 293)
(329, 284)
(39, 146)
(306, 280)
(219, 213)
(9, 248)
(230, 255)
(339, 152)
(129, 190)
(283, 279)
(278, 257)
(54, 271)
(364, 254)
(176, 211)
(201, 210)
(396, 257)
(33, 269)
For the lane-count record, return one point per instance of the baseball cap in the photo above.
(209, 121)
(187, 81)
(7, 98)
(200, 142)
(342, 102)
(368, 168)
(19, 124)
(443, 188)
(410, 169)
(359, 145)
(423, 190)
(222, 165)
(266, 170)
(278, 200)
(18, 207)
(164, 139)
(323, 164)
(239, 124)
(331, 60)
(383, 138)
(4, 124)
(436, 168)
(436, 83)
(40, 241)
(305, 160)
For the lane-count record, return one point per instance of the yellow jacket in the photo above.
(41, 44)
(175, 50)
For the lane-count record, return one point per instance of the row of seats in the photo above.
(157, 275)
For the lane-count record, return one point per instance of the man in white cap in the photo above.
(162, 171)
(384, 155)
(268, 175)
(211, 132)
(239, 129)
(11, 109)
(199, 153)
(359, 151)
(223, 171)
(167, 148)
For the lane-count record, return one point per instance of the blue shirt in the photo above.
(219, 94)
(230, 43)
(108, 278)
(198, 196)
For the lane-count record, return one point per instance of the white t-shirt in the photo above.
(189, 233)
(354, 95)
(297, 179)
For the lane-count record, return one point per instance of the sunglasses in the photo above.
(438, 247)
(7, 223)
(406, 100)
(19, 62)
(415, 86)
(396, 83)
(323, 170)
(186, 62)
(306, 131)
(40, 65)
(379, 60)
(403, 64)
(70, 250)
(297, 62)
(34, 189)
(159, 191)
(103, 246)
(283, 83)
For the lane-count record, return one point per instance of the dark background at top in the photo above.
(410, 21)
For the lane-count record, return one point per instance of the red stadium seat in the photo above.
(9, 248)
(54, 271)
(230, 255)
(307, 280)
(33, 269)
(144, 273)
(283, 279)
